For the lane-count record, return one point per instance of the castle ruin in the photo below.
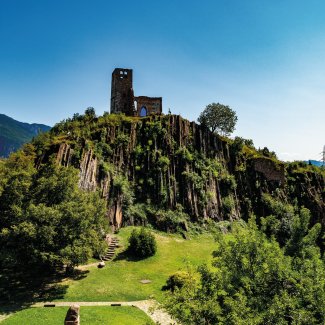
(123, 99)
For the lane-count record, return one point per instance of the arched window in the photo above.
(143, 111)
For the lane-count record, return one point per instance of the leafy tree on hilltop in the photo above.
(219, 118)
(90, 113)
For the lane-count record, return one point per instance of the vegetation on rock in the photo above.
(167, 162)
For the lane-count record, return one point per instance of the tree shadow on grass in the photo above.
(19, 290)
(127, 256)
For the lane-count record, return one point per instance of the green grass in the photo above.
(88, 316)
(120, 279)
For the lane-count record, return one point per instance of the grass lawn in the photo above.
(120, 279)
(88, 316)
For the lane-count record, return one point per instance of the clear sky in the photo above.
(265, 59)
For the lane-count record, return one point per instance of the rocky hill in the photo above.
(14, 133)
(168, 171)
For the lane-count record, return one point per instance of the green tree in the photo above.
(49, 222)
(219, 118)
(252, 281)
(90, 113)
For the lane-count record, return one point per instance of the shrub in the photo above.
(135, 215)
(171, 220)
(227, 184)
(142, 243)
(228, 204)
(177, 280)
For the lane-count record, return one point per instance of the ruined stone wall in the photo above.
(148, 105)
(123, 100)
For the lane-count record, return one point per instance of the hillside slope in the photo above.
(14, 133)
(166, 170)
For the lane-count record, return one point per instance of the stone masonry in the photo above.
(123, 99)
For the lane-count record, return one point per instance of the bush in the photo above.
(177, 280)
(227, 184)
(172, 220)
(142, 243)
(228, 205)
(135, 215)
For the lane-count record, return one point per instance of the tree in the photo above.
(252, 281)
(49, 222)
(218, 118)
(90, 113)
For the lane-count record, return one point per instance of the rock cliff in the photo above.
(171, 163)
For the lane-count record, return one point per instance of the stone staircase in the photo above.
(112, 245)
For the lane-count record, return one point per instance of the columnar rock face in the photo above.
(64, 155)
(168, 162)
(88, 171)
(269, 169)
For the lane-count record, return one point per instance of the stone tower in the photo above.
(122, 96)
(124, 101)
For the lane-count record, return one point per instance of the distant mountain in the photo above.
(13, 134)
(315, 162)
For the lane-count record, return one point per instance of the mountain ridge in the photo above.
(13, 133)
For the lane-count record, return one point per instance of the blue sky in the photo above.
(265, 59)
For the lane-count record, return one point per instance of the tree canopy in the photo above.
(45, 219)
(219, 118)
(252, 280)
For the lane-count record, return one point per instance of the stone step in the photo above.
(113, 244)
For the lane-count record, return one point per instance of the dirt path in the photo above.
(3, 316)
(150, 307)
